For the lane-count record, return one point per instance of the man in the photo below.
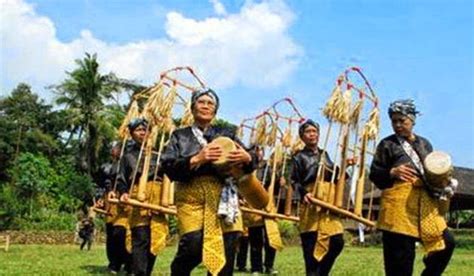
(187, 159)
(321, 232)
(258, 237)
(115, 243)
(86, 232)
(409, 212)
(148, 230)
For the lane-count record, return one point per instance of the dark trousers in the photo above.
(241, 261)
(116, 250)
(312, 266)
(258, 241)
(142, 259)
(86, 240)
(399, 254)
(189, 253)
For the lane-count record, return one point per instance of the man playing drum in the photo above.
(201, 189)
(409, 210)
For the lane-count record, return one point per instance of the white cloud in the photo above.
(218, 7)
(251, 47)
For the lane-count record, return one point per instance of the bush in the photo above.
(289, 232)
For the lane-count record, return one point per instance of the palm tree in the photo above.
(84, 94)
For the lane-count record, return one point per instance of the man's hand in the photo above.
(211, 152)
(306, 198)
(124, 197)
(404, 173)
(282, 181)
(111, 195)
(99, 203)
(239, 156)
(351, 161)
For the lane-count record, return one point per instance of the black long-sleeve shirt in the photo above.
(128, 165)
(390, 154)
(305, 164)
(183, 145)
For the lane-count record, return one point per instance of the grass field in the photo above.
(68, 260)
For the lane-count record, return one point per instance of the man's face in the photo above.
(204, 109)
(138, 134)
(115, 153)
(311, 136)
(402, 125)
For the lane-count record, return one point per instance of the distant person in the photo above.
(86, 232)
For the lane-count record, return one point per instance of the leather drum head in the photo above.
(438, 167)
(227, 146)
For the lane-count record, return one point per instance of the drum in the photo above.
(249, 186)
(438, 169)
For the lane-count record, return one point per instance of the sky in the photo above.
(256, 52)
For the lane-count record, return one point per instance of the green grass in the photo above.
(68, 260)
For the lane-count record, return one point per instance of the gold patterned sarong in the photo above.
(111, 213)
(313, 218)
(271, 227)
(406, 208)
(197, 203)
(158, 222)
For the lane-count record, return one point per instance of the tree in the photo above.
(28, 125)
(84, 94)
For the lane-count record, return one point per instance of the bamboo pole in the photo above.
(269, 215)
(136, 203)
(341, 212)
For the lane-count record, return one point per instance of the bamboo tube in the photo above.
(282, 174)
(141, 194)
(271, 188)
(122, 150)
(316, 191)
(288, 200)
(341, 182)
(165, 191)
(333, 174)
(172, 188)
(268, 215)
(142, 147)
(342, 212)
(371, 201)
(361, 178)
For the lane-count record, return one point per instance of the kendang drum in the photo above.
(438, 169)
(250, 187)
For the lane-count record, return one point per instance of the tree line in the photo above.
(50, 154)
